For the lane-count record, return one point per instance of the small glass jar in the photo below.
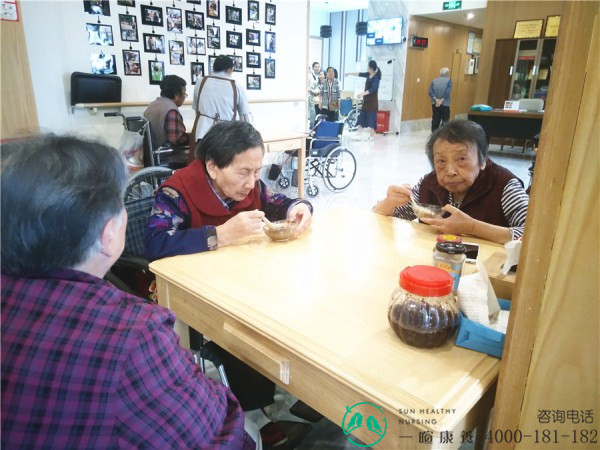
(450, 256)
(422, 311)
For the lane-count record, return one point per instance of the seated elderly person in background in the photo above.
(166, 123)
(481, 198)
(85, 365)
(211, 203)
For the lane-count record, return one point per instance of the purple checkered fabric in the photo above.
(85, 365)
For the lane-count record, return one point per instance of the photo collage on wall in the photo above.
(180, 33)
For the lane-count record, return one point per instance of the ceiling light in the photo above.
(470, 16)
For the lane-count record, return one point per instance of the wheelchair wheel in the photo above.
(339, 169)
(351, 119)
(145, 182)
(312, 190)
(283, 182)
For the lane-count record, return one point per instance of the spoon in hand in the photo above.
(273, 226)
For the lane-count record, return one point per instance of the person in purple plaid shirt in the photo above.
(85, 365)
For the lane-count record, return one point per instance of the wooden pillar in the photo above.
(551, 360)
(19, 114)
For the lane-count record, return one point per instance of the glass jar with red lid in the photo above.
(422, 311)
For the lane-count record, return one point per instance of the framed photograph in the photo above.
(176, 53)
(269, 68)
(253, 60)
(99, 34)
(238, 63)
(152, 15)
(132, 62)
(253, 82)
(129, 29)
(234, 39)
(233, 15)
(211, 63)
(269, 42)
(197, 71)
(270, 14)
(126, 3)
(528, 28)
(253, 11)
(213, 34)
(103, 64)
(196, 46)
(194, 20)
(253, 37)
(154, 43)
(195, 2)
(156, 71)
(98, 7)
(174, 20)
(213, 8)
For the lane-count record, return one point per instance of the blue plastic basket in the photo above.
(480, 338)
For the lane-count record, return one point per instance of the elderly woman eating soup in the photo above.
(480, 198)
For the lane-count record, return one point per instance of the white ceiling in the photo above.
(460, 17)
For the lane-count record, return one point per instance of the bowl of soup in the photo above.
(282, 230)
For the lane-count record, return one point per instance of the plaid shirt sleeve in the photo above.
(164, 400)
(175, 129)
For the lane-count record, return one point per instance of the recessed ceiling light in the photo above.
(470, 16)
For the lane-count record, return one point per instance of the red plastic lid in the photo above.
(426, 281)
(449, 238)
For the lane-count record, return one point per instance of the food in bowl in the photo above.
(425, 211)
(281, 231)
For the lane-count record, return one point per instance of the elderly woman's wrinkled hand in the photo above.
(457, 223)
(300, 214)
(241, 225)
(399, 195)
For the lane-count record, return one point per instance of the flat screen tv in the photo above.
(384, 31)
(92, 88)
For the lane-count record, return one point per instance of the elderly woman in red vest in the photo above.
(480, 198)
(212, 202)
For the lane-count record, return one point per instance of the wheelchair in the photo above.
(326, 158)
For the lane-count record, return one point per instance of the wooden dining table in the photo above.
(311, 315)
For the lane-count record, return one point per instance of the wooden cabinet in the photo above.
(522, 68)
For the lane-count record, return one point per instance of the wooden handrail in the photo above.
(188, 102)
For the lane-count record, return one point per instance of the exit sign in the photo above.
(449, 6)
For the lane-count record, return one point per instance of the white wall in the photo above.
(57, 45)
(433, 6)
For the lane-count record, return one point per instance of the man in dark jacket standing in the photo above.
(439, 92)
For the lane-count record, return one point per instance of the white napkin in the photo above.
(476, 297)
(513, 250)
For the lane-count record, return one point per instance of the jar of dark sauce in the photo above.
(423, 311)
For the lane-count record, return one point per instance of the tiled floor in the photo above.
(385, 160)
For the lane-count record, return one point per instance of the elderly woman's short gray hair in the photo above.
(444, 71)
(460, 131)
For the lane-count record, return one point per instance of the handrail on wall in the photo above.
(95, 106)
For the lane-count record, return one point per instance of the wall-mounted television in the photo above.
(384, 31)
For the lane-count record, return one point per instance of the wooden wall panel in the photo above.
(500, 24)
(445, 40)
(19, 114)
(551, 355)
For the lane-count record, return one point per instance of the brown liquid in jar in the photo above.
(421, 324)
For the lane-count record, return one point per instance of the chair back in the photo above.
(329, 130)
(138, 213)
(345, 106)
(135, 123)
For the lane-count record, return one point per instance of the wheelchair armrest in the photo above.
(161, 150)
(132, 261)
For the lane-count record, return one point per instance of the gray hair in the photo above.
(460, 131)
(444, 71)
(58, 193)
